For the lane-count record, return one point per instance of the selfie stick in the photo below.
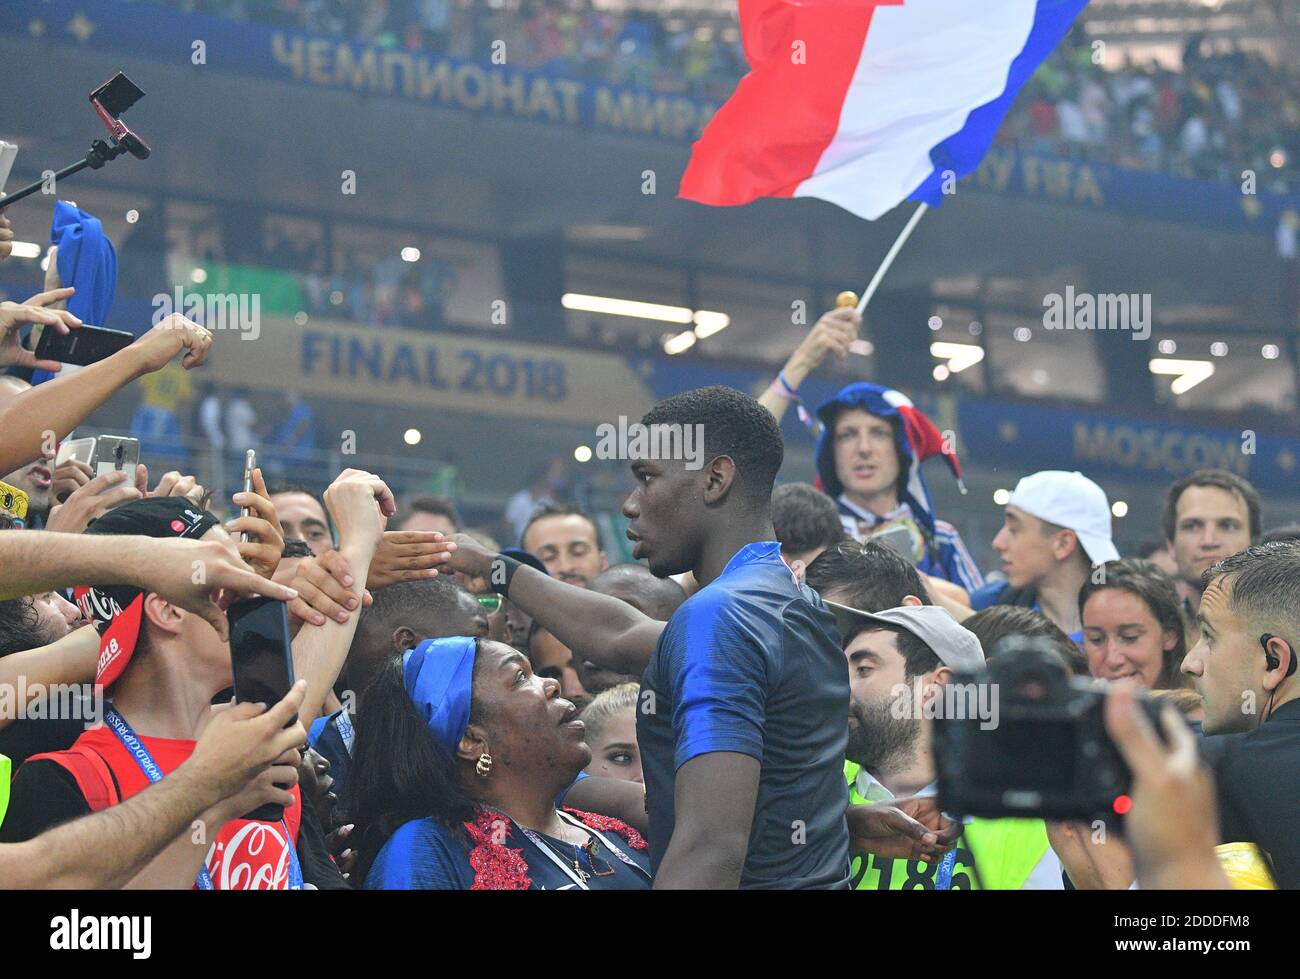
(109, 101)
(101, 151)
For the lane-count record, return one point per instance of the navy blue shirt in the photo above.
(752, 663)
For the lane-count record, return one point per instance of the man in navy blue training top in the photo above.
(741, 723)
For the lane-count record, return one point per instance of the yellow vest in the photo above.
(5, 773)
(1007, 850)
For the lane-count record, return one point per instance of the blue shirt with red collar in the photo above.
(751, 663)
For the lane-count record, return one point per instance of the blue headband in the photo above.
(439, 676)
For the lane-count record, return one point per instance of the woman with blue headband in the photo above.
(459, 759)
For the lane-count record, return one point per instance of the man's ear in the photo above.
(604, 561)
(1282, 653)
(933, 682)
(719, 477)
(404, 638)
(1065, 543)
(472, 743)
(912, 600)
(162, 614)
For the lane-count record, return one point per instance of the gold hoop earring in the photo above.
(484, 764)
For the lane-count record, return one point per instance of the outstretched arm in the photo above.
(605, 630)
(61, 404)
(831, 334)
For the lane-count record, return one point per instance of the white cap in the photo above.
(1073, 501)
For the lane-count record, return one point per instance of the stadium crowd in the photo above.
(1226, 110)
(751, 702)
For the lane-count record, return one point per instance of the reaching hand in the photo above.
(246, 748)
(13, 316)
(324, 586)
(200, 576)
(408, 555)
(831, 334)
(1172, 827)
(360, 504)
(91, 500)
(173, 334)
(911, 828)
(265, 543)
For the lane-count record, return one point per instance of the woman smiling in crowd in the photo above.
(459, 760)
(1132, 626)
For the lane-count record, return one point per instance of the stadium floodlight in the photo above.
(958, 355)
(708, 323)
(1186, 373)
(626, 307)
(679, 343)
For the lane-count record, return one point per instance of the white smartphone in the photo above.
(113, 452)
(8, 153)
(78, 450)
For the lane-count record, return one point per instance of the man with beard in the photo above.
(899, 661)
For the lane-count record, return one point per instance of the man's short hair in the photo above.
(438, 506)
(656, 597)
(805, 518)
(997, 622)
(866, 576)
(1222, 479)
(408, 603)
(562, 510)
(1286, 532)
(281, 490)
(734, 425)
(1265, 582)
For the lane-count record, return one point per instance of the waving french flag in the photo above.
(867, 103)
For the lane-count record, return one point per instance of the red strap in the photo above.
(91, 773)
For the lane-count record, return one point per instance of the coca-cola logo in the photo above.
(250, 856)
(97, 606)
(178, 526)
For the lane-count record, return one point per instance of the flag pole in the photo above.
(848, 299)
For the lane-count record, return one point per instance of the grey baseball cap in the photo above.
(954, 644)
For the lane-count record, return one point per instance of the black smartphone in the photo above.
(261, 659)
(82, 345)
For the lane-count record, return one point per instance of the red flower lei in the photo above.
(608, 824)
(497, 867)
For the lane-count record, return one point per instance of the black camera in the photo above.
(1043, 750)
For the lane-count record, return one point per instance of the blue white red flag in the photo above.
(867, 103)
